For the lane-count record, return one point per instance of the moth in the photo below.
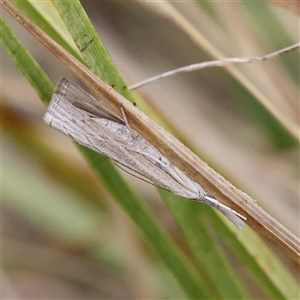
(78, 115)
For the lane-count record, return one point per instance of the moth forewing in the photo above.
(108, 138)
(78, 115)
(83, 100)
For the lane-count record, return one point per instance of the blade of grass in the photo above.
(29, 67)
(47, 18)
(262, 265)
(96, 57)
(204, 244)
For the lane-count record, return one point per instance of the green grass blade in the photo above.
(194, 219)
(261, 264)
(47, 18)
(91, 47)
(249, 249)
(26, 63)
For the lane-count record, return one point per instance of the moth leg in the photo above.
(126, 122)
(134, 137)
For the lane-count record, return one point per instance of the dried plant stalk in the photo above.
(174, 150)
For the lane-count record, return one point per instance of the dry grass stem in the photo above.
(169, 146)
